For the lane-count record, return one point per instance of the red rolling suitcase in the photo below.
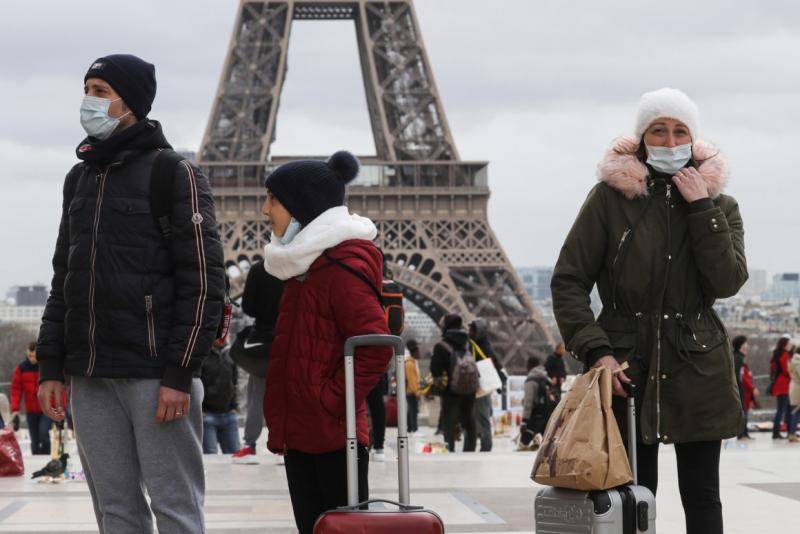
(350, 519)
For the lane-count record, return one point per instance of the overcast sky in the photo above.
(537, 88)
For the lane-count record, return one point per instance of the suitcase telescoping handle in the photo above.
(630, 388)
(350, 404)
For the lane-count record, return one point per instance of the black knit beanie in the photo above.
(307, 188)
(452, 321)
(131, 77)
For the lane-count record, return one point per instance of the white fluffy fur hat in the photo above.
(669, 103)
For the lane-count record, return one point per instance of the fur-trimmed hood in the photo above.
(622, 170)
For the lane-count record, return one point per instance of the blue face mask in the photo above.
(291, 231)
(95, 118)
(669, 160)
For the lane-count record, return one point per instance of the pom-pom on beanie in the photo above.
(308, 188)
(666, 103)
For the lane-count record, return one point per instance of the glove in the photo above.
(15, 422)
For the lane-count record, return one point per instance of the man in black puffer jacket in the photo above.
(132, 311)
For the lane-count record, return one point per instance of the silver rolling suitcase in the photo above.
(629, 509)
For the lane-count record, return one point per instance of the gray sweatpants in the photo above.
(254, 420)
(483, 421)
(124, 452)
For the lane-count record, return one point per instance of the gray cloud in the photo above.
(537, 88)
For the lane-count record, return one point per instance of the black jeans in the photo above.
(457, 409)
(698, 476)
(377, 412)
(39, 429)
(318, 483)
(413, 410)
(782, 412)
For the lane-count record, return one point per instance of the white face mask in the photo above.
(669, 160)
(95, 118)
(291, 231)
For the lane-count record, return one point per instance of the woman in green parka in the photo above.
(662, 243)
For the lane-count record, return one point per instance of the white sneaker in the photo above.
(378, 455)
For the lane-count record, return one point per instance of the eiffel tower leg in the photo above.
(242, 123)
(430, 207)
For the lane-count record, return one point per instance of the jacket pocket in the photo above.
(151, 326)
(706, 351)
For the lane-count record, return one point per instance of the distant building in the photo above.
(31, 295)
(536, 281)
(29, 317)
(785, 286)
(756, 284)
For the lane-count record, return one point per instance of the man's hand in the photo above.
(51, 399)
(690, 184)
(618, 377)
(172, 404)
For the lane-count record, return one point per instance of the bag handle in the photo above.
(403, 507)
(355, 273)
(478, 348)
(375, 340)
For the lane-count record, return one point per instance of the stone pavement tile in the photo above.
(474, 493)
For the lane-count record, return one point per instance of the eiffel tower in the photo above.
(429, 205)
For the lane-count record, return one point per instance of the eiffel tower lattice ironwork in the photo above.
(430, 207)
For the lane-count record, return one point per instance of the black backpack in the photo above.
(218, 381)
(162, 183)
(545, 403)
(390, 297)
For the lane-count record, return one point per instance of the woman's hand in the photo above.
(618, 376)
(690, 184)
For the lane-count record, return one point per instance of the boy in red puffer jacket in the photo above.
(333, 277)
(24, 388)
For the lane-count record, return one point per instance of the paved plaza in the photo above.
(477, 493)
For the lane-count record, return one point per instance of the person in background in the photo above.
(535, 404)
(220, 423)
(260, 300)
(481, 347)
(24, 389)
(779, 387)
(377, 413)
(794, 395)
(740, 348)
(748, 390)
(556, 370)
(412, 384)
(456, 408)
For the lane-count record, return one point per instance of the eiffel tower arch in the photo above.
(429, 205)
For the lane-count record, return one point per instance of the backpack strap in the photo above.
(162, 180)
(354, 273)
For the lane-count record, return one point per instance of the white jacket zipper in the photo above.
(151, 326)
(92, 258)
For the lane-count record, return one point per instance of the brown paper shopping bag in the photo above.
(582, 448)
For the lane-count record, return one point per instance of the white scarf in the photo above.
(331, 228)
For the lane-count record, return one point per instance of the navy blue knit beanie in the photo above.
(307, 188)
(131, 77)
